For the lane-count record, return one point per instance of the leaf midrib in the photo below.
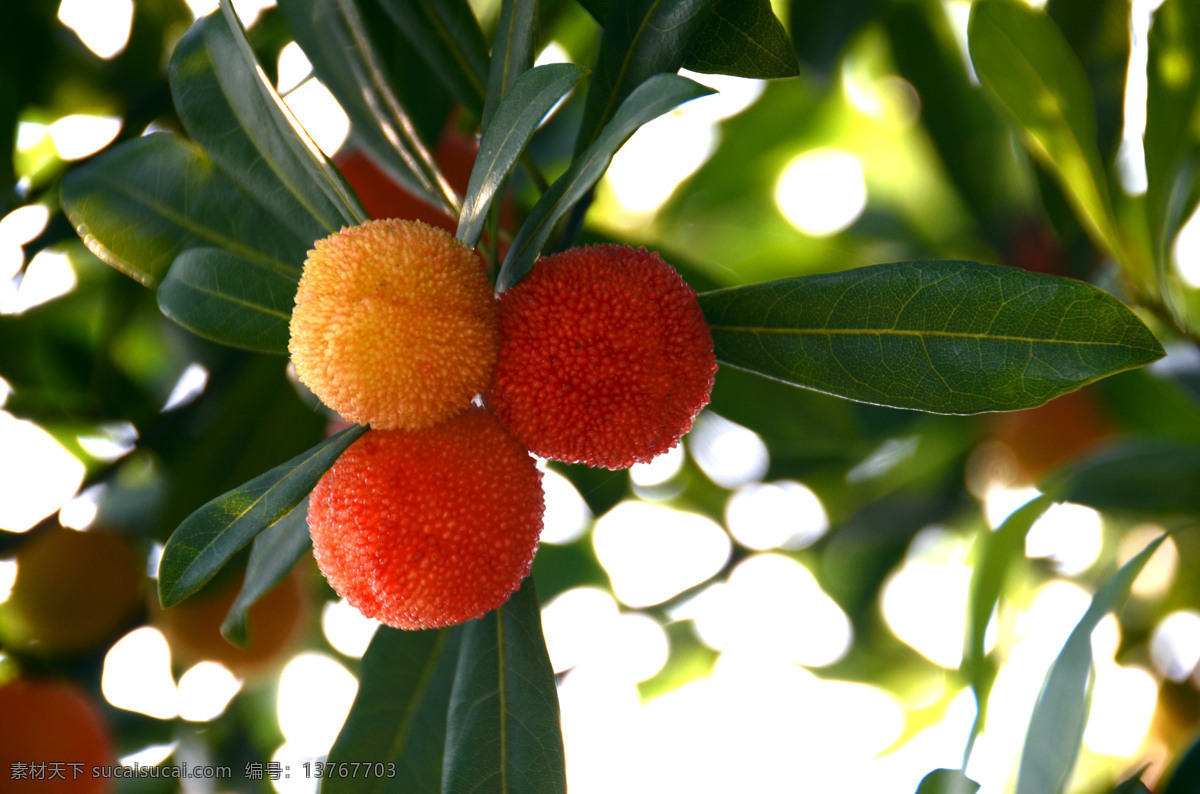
(755, 330)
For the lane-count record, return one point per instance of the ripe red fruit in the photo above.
(605, 357)
(429, 528)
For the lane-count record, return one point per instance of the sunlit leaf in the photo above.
(1056, 727)
(273, 554)
(231, 300)
(503, 732)
(209, 537)
(1155, 477)
(447, 35)
(529, 100)
(947, 781)
(399, 713)
(1185, 778)
(997, 552)
(642, 38)
(1172, 139)
(1024, 61)
(651, 99)
(512, 52)
(138, 206)
(941, 336)
(387, 90)
(229, 108)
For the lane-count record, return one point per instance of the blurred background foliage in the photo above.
(781, 604)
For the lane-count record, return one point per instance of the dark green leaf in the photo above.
(228, 107)
(138, 206)
(272, 556)
(1133, 785)
(1172, 138)
(512, 52)
(205, 541)
(744, 39)
(399, 713)
(503, 732)
(1056, 727)
(229, 299)
(448, 37)
(651, 99)
(1185, 779)
(1025, 62)
(821, 30)
(1144, 477)
(997, 552)
(947, 781)
(529, 100)
(974, 147)
(642, 38)
(939, 336)
(383, 86)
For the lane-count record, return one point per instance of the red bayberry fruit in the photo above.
(429, 528)
(394, 324)
(605, 357)
(47, 723)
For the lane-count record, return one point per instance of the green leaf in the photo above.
(1185, 779)
(503, 732)
(1133, 785)
(743, 38)
(1056, 727)
(516, 119)
(947, 781)
(642, 38)
(210, 536)
(1146, 477)
(1027, 65)
(384, 87)
(512, 52)
(997, 553)
(229, 108)
(821, 31)
(651, 99)
(447, 35)
(139, 205)
(1172, 137)
(272, 556)
(231, 300)
(399, 714)
(940, 336)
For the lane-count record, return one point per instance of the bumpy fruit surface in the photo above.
(605, 357)
(47, 722)
(394, 324)
(429, 528)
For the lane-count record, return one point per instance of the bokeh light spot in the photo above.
(730, 454)
(102, 25)
(652, 552)
(205, 690)
(784, 514)
(822, 192)
(37, 474)
(137, 675)
(346, 629)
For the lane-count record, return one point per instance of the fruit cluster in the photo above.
(601, 356)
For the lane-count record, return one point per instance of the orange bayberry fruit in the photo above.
(394, 325)
(429, 528)
(48, 723)
(605, 357)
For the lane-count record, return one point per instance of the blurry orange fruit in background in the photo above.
(193, 628)
(1046, 437)
(58, 726)
(72, 592)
